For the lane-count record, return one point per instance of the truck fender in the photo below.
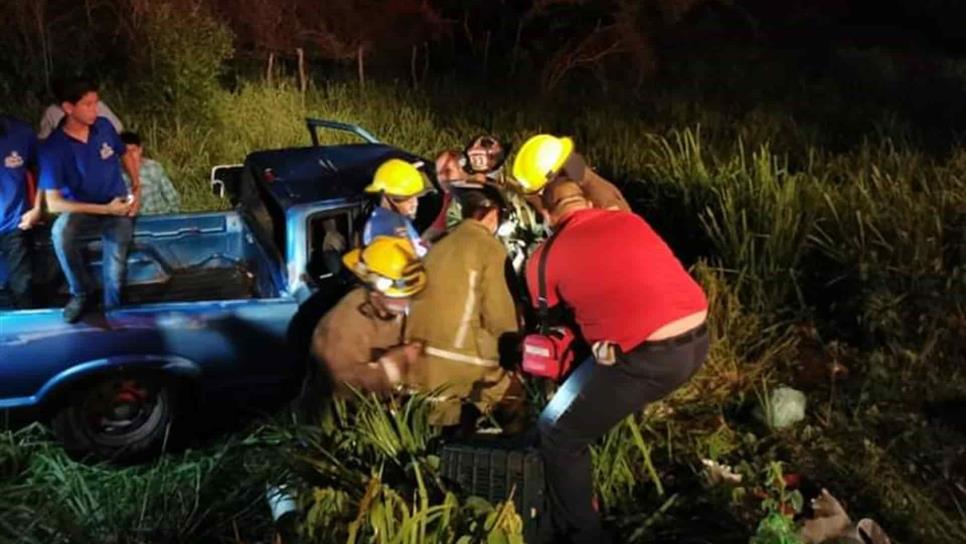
(174, 366)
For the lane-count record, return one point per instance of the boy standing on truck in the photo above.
(80, 170)
(399, 184)
(18, 151)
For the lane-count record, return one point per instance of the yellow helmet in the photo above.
(389, 265)
(539, 159)
(399, 178)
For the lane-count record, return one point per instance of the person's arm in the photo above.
(133, 170)
(603, 194)
(56, 203)
(34, 214)
(345, 352)
(170, 194)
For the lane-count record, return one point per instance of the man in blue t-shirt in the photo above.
(18, 151)
(80, 170)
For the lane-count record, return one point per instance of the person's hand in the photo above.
(412, 351)
(135, 205)
(29, 219)
(397, 360)
(118, 206)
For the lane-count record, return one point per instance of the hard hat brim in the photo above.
(418, 285)
(351, 261)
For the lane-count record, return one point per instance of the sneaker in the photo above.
(75, 308)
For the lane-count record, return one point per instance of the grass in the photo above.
(809, 255)
(194, 496)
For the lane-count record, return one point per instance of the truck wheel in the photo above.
(120, 418)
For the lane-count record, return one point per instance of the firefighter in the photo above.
(359, 342)
(644, 317)
(399, 184)
(544, 158)
(465, 313)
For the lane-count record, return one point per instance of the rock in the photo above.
(785, 407)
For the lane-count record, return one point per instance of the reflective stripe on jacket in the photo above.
(460, 316)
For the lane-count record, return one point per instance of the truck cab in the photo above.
(219, 306)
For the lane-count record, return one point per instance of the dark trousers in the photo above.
(14, 250)
(592, 401)
(116, 234)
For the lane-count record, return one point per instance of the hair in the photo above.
(73, 89)
(130, 138)
(449, 154)
(475, 204)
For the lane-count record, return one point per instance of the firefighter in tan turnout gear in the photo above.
(463, 313)
(359, 341)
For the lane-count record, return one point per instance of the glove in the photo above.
(605, 353)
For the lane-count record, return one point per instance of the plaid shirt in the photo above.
(158, 194)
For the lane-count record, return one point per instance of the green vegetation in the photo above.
(814, 261)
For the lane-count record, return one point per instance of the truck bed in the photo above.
(174, 258)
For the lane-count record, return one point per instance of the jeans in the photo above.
(116, 234)
(13, 248)
(592, 401)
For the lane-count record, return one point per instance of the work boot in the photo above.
(75, 308)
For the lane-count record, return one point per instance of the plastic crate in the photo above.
(492, 468)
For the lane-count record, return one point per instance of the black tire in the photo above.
(121, 418)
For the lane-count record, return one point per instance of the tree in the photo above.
(180, 48)
(355, 29)
(590, 33)
(265, 28)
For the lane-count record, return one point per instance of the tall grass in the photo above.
(866, 243)
(366, 473)
(46, 497)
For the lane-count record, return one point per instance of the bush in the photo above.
(179, 51)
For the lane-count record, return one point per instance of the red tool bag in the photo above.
(549, 353)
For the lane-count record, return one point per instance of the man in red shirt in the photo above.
(643, 315)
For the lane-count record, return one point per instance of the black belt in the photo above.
(678, 340)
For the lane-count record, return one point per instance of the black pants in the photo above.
(593, 400)
(13, 249)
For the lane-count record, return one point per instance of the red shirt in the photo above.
(619, 277)
(440, 222)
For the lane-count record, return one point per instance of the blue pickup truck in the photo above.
(218, 305)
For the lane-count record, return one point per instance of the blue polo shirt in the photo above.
(84, 172)
(384, 222)
(18, 150)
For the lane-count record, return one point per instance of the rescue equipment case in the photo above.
(492, 467)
